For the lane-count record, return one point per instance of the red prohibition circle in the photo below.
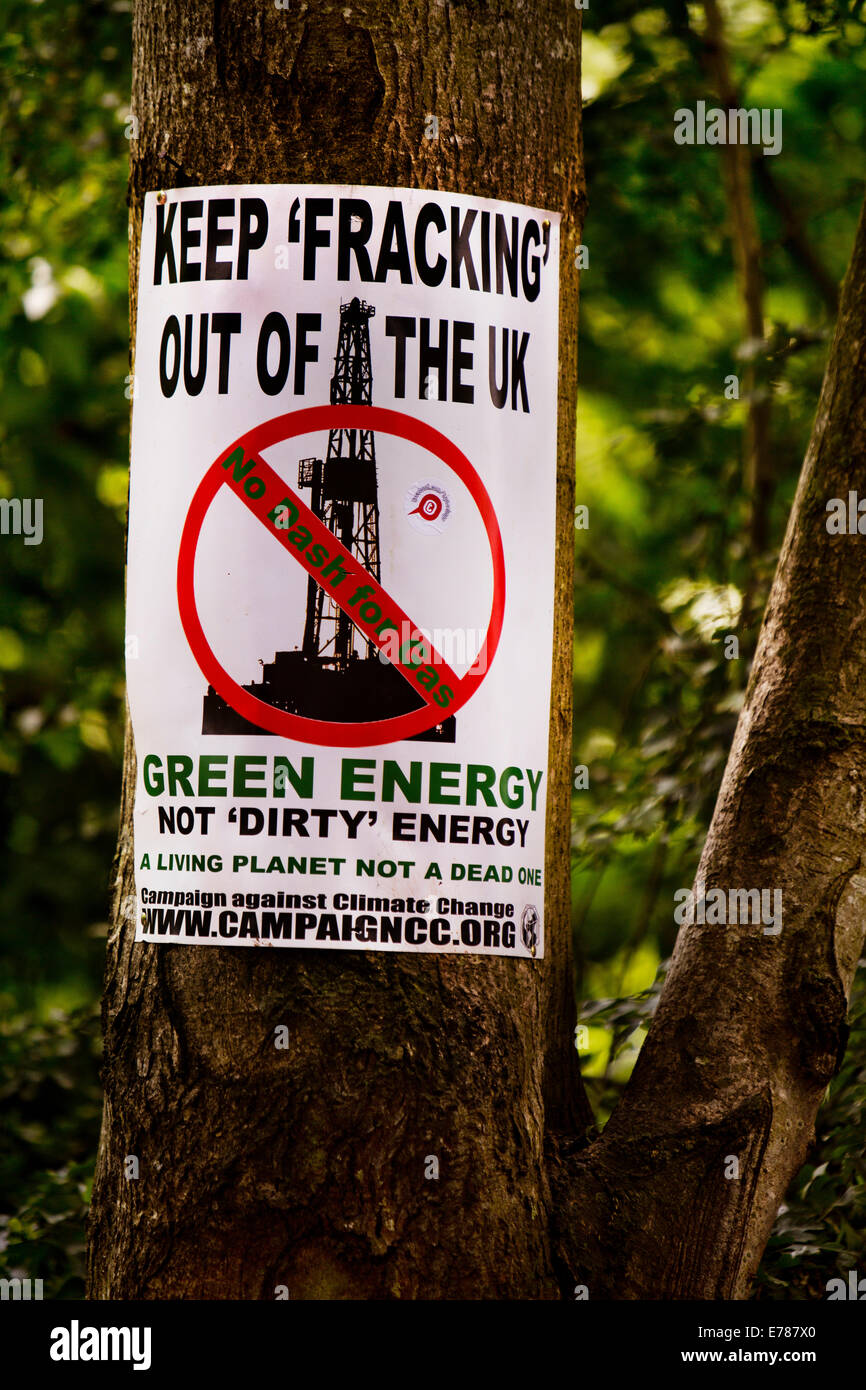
(298, 727)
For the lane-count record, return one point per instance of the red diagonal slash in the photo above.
(341, 574)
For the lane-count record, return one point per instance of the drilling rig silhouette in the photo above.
(337, 674)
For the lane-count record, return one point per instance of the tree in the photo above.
(309, 1167)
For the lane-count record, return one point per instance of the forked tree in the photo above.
(305, 1167)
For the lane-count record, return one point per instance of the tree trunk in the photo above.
(305, 1168)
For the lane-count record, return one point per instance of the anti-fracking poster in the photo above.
(341, 568)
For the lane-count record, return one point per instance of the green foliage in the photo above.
(615, 1028)
(64, 75)
(665, 571)
(64, 79)
(52, 1103)
(665, 568)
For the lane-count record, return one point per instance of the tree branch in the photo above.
(751, 1026)
(736, 169)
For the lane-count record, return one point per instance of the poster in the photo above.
(341, 568)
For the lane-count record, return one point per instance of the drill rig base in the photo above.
(310, 686)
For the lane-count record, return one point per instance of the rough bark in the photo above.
(752, 1027)
(305, 1167)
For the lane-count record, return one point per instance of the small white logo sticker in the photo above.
(428, 507)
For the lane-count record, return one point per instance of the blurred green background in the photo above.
(665, 572)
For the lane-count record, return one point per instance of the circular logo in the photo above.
(529, 928)
(428, 507)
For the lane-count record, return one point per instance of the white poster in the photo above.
(341, 568)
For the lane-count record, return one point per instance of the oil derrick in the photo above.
(336, 675)
(344, 491)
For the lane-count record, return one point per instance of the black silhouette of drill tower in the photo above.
(344, 491)
(337, 674)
